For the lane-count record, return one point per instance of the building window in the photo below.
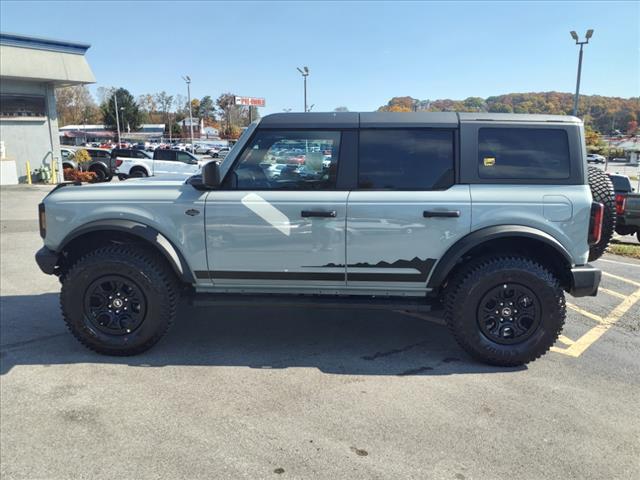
(19, 106)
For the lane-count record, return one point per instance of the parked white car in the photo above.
(164, 162)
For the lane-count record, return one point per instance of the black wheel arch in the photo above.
(501, 239)
(120, 229)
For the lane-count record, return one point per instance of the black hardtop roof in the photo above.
(400, 119)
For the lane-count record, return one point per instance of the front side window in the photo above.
(184, 157)
(523, 153)
(288, 160)
(406, 159)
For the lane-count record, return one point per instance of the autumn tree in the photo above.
(164, 104)
(75, 105)
(399, 104)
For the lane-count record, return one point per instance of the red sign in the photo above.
(250, 101)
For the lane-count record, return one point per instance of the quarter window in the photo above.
(288, 160)
(406, 159)
(523, 153)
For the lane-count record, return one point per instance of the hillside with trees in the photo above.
(601, 114)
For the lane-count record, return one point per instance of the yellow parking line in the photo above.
(586, 340)
(622, 279)
(612, 293)
(585, 313)
(565, 340)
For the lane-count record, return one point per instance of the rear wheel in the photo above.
(138, 172)
(119, 300)
(602, 192)
(505, 311)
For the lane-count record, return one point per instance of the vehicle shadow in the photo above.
(334, 341)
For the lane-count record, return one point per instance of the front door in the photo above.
(406, 211)
(280, 228)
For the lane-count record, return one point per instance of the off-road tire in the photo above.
(602, 192)
(148, 271)
(472, 282)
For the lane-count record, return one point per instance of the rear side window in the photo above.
(165, 155)
(523, 153)
(406, 159)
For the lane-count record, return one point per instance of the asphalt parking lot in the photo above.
(281, 393)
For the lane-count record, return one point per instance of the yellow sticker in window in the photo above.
(489, 161)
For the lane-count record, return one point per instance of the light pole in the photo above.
(574, 35)
(187, 79)
(122, 112)
(305, 73)
(115, 100)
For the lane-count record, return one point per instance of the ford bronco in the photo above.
(487, 218)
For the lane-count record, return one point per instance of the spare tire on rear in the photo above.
(602, 192)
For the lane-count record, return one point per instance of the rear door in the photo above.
(406, 211)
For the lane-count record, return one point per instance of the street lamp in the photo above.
(574, 35)
(115, 101)
(187, 79)
(122, 113)
(305, 73)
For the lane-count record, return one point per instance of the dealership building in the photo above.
(31, 68)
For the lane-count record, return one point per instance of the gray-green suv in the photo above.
(488, 218)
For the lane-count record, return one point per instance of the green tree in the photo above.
(474, 104)
(501, 108)
(207, 107)
(341, 109)
(129, 112)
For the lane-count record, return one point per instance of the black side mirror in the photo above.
(211, 175)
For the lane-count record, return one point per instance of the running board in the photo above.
(418, 304)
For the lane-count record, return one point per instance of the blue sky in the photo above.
(360, 53)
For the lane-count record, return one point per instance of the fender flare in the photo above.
(473, 239)
(144, 232)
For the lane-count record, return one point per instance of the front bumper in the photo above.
(585, 281)
(47, 260)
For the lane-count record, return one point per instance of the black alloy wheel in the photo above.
(509, 313)
(115, 305)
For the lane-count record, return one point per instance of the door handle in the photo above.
(441, 213)
(318, 214)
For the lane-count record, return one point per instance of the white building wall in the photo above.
(34, 140)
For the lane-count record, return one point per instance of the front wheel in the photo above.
(119, 299)
(505, 311)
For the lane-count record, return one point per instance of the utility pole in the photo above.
(574, 35)
(187, 79)
(115, 100)
(305, 73)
